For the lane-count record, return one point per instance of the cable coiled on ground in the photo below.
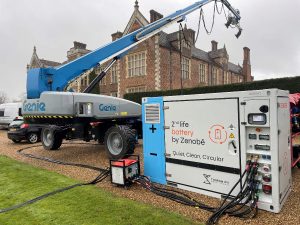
(104, 173)
(243, 205)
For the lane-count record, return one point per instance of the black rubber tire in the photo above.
(134, 133)
(128, 141)
(16, 141)
(32, 140)
(56, 141)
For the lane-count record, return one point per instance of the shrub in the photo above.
(291, 84)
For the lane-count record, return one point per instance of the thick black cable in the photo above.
(98, 179)
(234, 186)
(220, 211)
(234, 202)
(249, 209)
(199, 25)
(184, 199)
(28, 155)
(237, 211)
(212, 24)
(201, 17)
(224, 210)
(103, 174)
(233, 208)
(184, 37)
(217, 8)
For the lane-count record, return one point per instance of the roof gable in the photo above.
(34, 61)
(136, 21)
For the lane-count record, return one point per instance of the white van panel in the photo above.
(8, 112)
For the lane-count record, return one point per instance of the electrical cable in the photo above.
(212, 24)
(20, 151)
(201, 17)
(184, 37)
(98, 179)
(199, 25)
(217, 8)
(252, 170)
(243, 205)
(247, 195)
(232, 203)
(104, 173)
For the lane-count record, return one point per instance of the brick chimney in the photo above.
(214, 45)
(192, 35)
(247, 65)
(79, 45)
(116, 35)
(79, 49)
(155, 16)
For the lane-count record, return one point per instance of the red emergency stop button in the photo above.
(267, 189)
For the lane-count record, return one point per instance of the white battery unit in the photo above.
(201, 142)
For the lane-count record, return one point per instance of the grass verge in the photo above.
(83, 205)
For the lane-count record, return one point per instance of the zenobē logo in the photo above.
(206, 179)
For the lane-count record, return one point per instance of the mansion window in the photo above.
(185, 68)
(103, 81)
(114, 94)
(214, 76)
(114, 74)
(220, 77)
(185, 44)
(84, 81)
(202, 73)
(136, 64)
(226, 78)
(98, 70)
(136, 89)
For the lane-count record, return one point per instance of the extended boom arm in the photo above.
(56, 79)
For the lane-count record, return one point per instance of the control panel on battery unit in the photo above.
(258, 144)
(259, 148)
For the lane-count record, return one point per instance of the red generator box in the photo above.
(123, 171)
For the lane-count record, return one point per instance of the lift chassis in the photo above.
(109, 120)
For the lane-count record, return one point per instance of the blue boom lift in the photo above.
(112, 121)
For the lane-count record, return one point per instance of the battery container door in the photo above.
(203, 145)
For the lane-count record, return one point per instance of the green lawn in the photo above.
(83, 205)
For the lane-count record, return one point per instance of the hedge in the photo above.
(288, 83)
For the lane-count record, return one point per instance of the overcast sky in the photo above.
(271, 31)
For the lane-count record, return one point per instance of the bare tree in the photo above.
(20, 98)
(3, 97)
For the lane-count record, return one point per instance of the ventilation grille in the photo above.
(152, 113)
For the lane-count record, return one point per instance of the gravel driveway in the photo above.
(89, 153)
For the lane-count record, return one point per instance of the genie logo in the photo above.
(107, 108)
(34, 107)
